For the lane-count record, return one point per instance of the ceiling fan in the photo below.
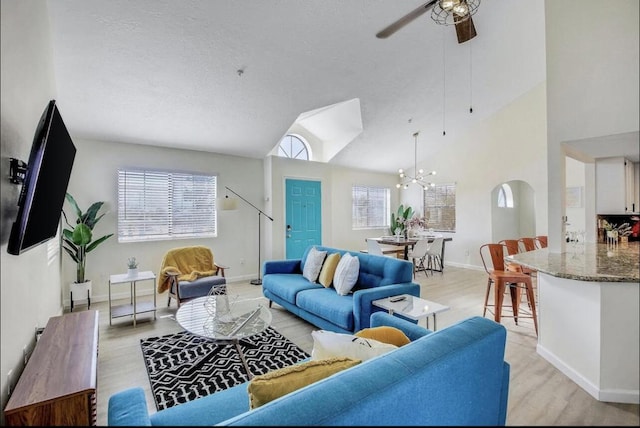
(445, 12)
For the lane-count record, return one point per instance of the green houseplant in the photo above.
(78, 239)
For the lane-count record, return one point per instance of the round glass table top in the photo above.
(224, 317)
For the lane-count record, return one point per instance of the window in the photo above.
(505, 196)
(159, 205)
(292, 146)
(440, 207)
(370, 207)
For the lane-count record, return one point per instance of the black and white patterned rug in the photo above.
(183, 367)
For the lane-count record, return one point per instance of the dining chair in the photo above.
(492, 256)
(374, 248)
(418, 255)
(434, 255)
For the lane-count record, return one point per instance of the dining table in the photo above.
(401, 241)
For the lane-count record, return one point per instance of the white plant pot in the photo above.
(132, 272)
(81, 292)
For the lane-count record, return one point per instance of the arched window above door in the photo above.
(505, 196)
(294, 147)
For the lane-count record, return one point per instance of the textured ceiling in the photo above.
(165, 72)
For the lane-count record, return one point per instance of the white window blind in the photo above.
(440, 207)
(370, 207)
(158, 205)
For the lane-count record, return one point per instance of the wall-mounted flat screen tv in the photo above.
(45, 183)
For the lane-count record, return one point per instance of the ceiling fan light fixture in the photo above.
(448, 5)
(461, 9)
(451, 12)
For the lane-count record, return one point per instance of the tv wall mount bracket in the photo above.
(17, 170)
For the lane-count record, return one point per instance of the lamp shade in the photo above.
(229, 204)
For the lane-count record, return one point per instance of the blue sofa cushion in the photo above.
(327, 304)
(286, 286)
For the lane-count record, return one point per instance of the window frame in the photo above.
(201, 189)
(307, 149)
(505, 196)
(449, 190)
(385, 217)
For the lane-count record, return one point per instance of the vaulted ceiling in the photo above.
(166, 72)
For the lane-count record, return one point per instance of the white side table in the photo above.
(413, 308)
(133, 308)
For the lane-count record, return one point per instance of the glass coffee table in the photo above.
(412, 307)
(224, 318)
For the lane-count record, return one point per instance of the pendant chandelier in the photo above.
(419, 173)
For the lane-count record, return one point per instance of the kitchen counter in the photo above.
(587, 262)
(588, 316)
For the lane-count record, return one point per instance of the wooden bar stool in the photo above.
(502, 278)
(541, 241)
(528, 244)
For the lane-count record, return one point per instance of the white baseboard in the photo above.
(608, 395)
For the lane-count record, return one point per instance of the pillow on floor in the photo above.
(385, 334)
(329, 269)
(327, 344)
(313, 263)
(269, 386)
(346, 274)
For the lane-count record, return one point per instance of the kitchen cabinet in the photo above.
(616, 186)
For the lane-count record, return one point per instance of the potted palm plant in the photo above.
(78, 241)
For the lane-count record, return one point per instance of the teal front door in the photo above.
(303, 216)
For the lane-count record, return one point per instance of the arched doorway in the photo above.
(513, 212)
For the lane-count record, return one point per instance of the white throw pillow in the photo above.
(313, 264)
(346, 274)
(327, 344)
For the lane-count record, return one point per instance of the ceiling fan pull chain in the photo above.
(444, 84)
(470, 77)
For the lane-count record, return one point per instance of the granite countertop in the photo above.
(586, 262)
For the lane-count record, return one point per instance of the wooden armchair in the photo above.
(190, 272)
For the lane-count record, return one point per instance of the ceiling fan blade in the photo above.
(386, 32)
(465, 30)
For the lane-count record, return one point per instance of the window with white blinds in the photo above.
(370, 207)
(159, 205)
(440, 207)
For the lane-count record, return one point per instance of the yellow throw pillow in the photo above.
(272, 385)
(328, 269)
(385, 334)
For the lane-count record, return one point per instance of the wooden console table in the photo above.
(58, 385)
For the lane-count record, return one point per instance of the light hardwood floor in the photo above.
(539, 394)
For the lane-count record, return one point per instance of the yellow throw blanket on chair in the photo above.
(190, 262)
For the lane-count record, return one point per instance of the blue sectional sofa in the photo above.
(379, 277)
(455, 376)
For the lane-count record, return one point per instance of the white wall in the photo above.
(94, 178)
(518, 221)
(511, 145)
(336, 188)
(30, 284)
(592, 84)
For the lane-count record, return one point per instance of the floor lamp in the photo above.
(230, 204)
